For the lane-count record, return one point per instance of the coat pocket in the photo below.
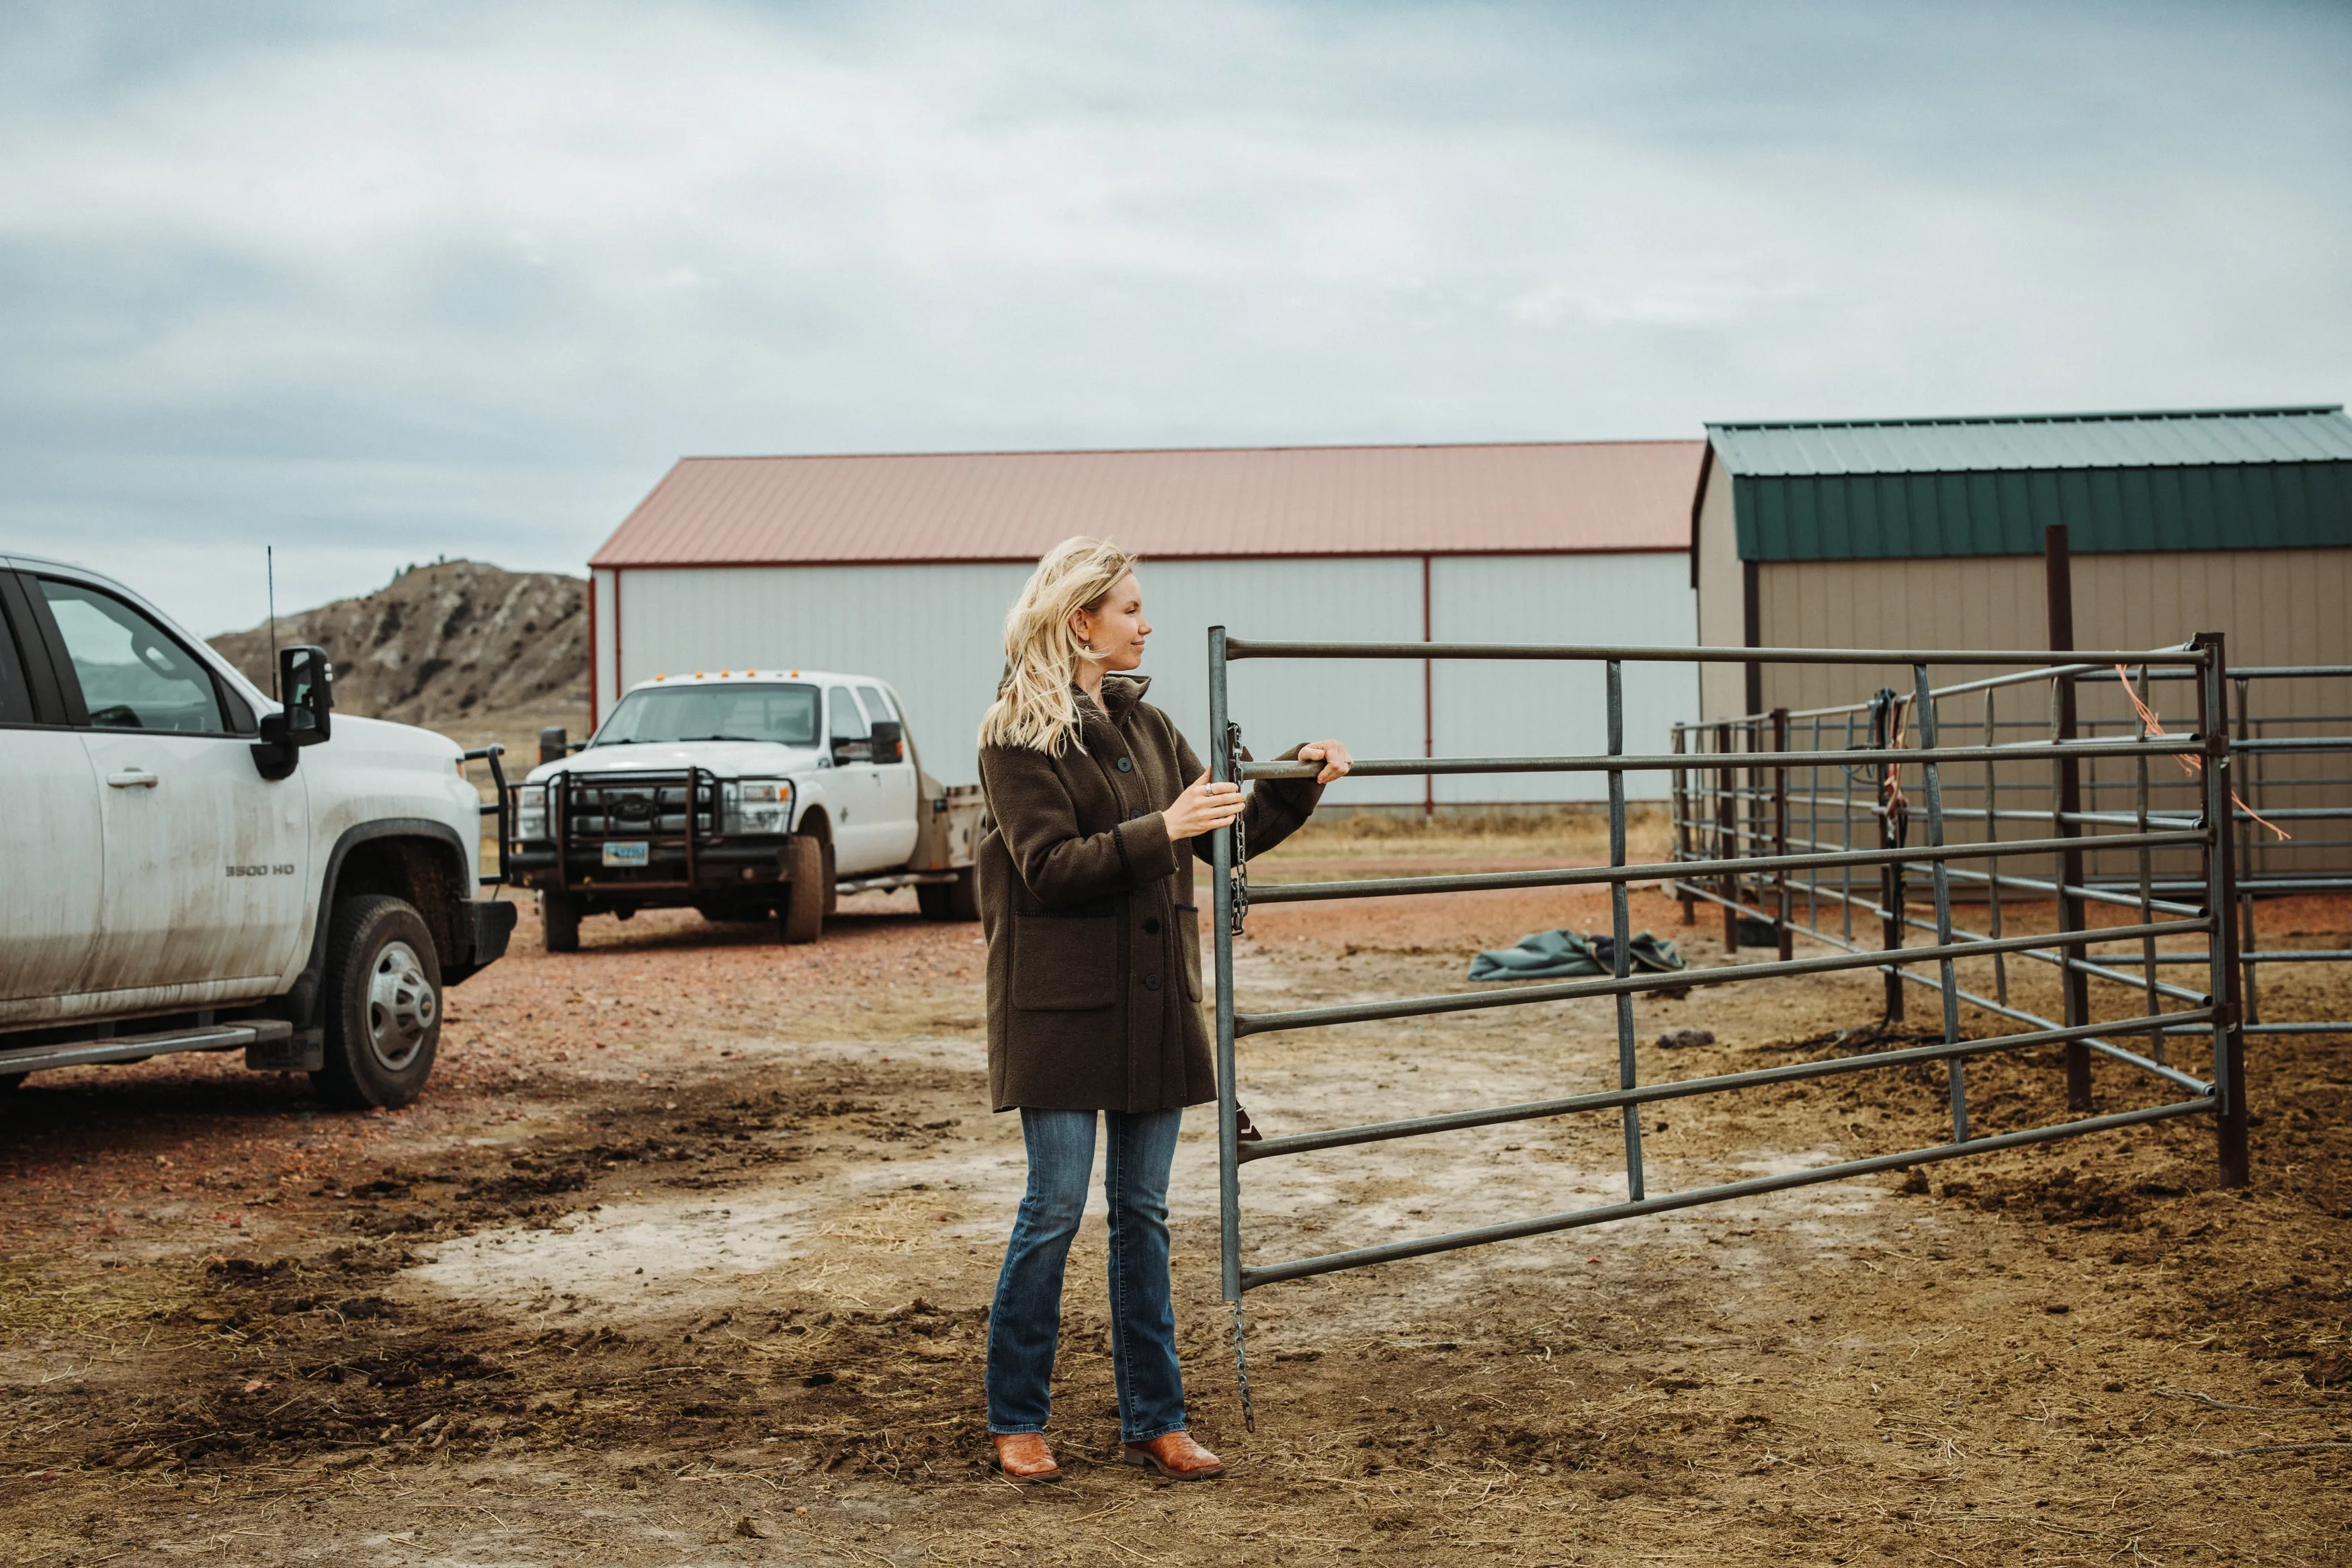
(1188, 946)
(1065, 963)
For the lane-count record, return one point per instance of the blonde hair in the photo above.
(1035, 707)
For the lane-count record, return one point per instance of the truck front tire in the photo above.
(957, 900)
(381, 1005)
(800, 914)
(558, 921)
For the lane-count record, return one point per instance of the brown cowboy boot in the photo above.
(1175, 1455)
(1023, 1457)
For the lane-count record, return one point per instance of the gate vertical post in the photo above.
(2074, 986)
(1781, 837)
(2246, 865)
(1680, 805)
(1845, 814)
(1620, 926)
(1813, 832)
(1992, 864)
(1892, 829)
(1229, 1173)
(1939, 877)
(1726, 835)
(2155, 997)
(2220, 902)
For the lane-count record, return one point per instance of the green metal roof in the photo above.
(2223, 479)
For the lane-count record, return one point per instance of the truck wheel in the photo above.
(832, 881)
(558, 921)
(957, 900)
(382, 1004)
(799, 914)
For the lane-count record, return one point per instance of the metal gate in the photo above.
(2220, 1094)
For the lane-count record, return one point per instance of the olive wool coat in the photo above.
(1094, 946)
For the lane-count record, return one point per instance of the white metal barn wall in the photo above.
(603, 677)
(933, 633)
(1497, 708)
(1375, 708)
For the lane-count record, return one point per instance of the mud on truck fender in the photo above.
(397, 926)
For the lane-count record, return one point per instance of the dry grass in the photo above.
(1562, 834)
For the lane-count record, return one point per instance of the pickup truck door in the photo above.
(207, 865)
(857, 805)
(51, 841)
(896, 825)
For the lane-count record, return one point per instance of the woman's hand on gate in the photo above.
(1331, 754)
(1203, 808)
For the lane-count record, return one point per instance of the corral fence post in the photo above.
(1726, 835)
(2221, 905)
(1780, 911)
(2058, 586)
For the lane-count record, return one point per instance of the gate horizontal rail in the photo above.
(2204, 835)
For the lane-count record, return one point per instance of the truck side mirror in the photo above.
(889, 741)
(554, 744)
(306, 682)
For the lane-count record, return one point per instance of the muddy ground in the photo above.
(686, 1258)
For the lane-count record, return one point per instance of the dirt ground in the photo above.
(686, 1258)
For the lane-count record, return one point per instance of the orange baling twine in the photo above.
(2191, 763)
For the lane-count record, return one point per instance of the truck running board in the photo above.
(895, 879)
(271, 1041)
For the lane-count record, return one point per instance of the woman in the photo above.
(1093, 981)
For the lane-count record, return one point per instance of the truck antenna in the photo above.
(269, 566)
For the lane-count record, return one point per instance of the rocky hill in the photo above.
(442, 643)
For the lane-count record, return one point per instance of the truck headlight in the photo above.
(757, 805)
(531, 813)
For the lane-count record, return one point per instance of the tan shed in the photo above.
(1929, 533)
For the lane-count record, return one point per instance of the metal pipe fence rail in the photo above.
(1715, 818)
(1733, 832)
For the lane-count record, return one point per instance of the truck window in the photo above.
(877, 707)
(779, 714)
(16, 697)
(133, 673)
(848, 724)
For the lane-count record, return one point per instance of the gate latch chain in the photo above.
(1240, 832)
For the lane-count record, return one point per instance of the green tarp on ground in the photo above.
(1564, 955)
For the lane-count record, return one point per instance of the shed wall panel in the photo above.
(935, 632)
(1374, 707)
(1720, 607)
(605, 676)
(1503, 709)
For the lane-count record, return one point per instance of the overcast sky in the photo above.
(380, 282)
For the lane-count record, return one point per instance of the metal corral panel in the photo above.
(1495, 709)
(1288, 501)
(2024, 441)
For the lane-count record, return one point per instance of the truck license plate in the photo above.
(626, 854)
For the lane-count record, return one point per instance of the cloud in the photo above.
(383, 283)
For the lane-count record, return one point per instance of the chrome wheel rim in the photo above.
(402, 1007)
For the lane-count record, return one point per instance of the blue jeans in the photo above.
(1027, 1320)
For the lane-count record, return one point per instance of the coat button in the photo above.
(1152, 926)
(1150, 982)
(1127, 765)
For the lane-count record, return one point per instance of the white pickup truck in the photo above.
(178, 878)
(746, 794)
